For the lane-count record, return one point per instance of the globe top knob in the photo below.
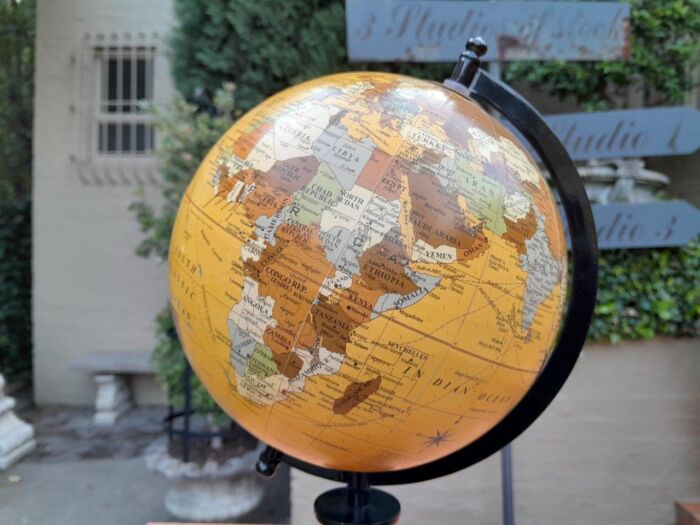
(469, 61)
(269, 460)
(477, 45)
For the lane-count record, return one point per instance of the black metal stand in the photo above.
(507, 485)
(357, 504)
(269, 460)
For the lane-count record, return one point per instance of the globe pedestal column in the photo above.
(357, 504)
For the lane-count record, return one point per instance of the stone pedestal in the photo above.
(16, 436)
(210, 492)
(213, 499)
(112, 399)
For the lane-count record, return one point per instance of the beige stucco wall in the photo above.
(91, 293)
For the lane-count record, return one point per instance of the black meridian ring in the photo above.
(584, 280)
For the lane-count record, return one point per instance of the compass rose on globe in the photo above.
(369, 272)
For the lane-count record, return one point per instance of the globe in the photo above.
(368, 272)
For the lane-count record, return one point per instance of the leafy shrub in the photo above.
(15, 285)
(186, 134)
(644, 293)
(265, 47)
(16, 92)
(169, 362)
(16, 95)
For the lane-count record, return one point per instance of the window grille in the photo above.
(125, 83)
(115, 75)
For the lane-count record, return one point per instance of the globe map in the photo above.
(368, 271)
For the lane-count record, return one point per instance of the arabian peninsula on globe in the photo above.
(368, 272)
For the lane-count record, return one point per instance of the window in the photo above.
(125, 80)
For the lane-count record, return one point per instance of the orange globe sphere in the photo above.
(368, 272)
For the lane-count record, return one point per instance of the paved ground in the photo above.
(618, 446)
(81, 474)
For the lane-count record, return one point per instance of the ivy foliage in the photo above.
(641, 293)
(665, 47)
(644, 293)
(265, 47)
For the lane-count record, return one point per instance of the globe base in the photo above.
(348, 506)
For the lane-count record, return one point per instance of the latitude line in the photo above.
(488, 257)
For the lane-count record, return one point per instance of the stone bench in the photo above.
(112, 371)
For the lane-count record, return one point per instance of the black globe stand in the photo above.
(358, 504)
(269, 460)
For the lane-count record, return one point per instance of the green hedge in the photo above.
(15, 287)
(16, 99)
(264, 47)
(644, 293)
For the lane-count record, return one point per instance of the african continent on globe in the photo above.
(367, 272)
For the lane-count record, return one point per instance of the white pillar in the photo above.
(16, 436)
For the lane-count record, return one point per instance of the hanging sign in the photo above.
(647, 225)
(628, 133)
(435, 31)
